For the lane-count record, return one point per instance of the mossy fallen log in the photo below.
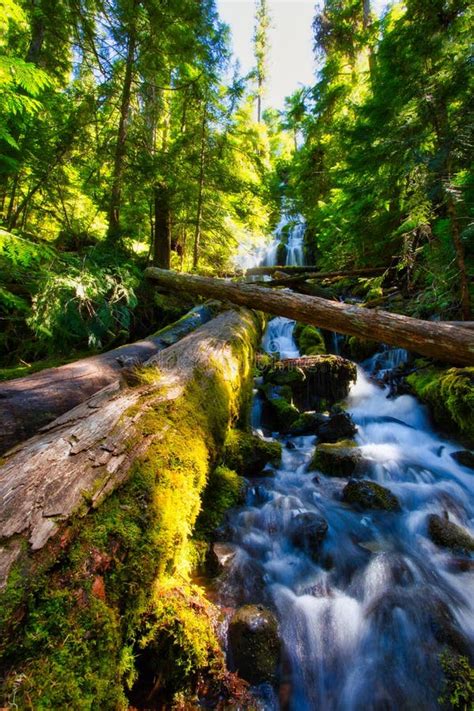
(437, 340)
(96, 526)
(27, 404)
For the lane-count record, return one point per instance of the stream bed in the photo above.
(363, 624)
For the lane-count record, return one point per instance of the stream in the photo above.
(362, 627)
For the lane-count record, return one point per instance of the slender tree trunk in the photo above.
(162, 232)
(437, 340)
(460, 259)
(202, 156)
(120, 149)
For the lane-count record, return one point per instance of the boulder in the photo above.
(254, 644)
(248, 454)
(448, 535)
(307, 532)
(281, 414)
(341, 459)
(337, 427)
(362, 348)
(370, 495)
(465, 458)
(308, 423)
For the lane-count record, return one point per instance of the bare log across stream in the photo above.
(437, 340)
(314, 273)
(178, 412)
(29, 403)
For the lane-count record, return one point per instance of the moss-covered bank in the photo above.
(449, 395)
(81, 620)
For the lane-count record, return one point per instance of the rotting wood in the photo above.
(88, 452)
(436, 340)
(29, 403)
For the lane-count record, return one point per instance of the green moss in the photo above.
(248, 454)
(458, 691)
(449, 394)
(284, 414)
(370, 495)
(223, 491)
(309, 340)
(71, 615)
(336, 459)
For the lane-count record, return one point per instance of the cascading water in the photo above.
(363, 625)
(294, 253)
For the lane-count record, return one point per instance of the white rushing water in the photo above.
(363, 622)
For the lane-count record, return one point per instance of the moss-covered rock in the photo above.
(449, 394)
(307, 423)
(281, 375)
(282, 414)
(337, 427)
(309, 340)
(341, 459)
(362, 348)
(370, 495)
(254, 643)
(448, 535)
(248, 454)
(282, 251)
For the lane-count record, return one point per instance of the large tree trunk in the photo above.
(162, 231)
(202, 156)
(91, 449)
(29, 403)
(437, 340)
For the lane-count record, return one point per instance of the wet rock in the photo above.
(220, 557)
(465, 458)
(290, 445)
(307, 532)
(341, 459)
(370, 495)
(448, 535)
(248, 454)
(308, 423)
(314, 380)
(282, 414)
(254, 643)
(337, 427)
(309, 340)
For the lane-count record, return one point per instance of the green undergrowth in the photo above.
(76, 619)
(458, 691)
(449, 395)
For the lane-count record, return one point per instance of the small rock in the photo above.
(465, 458)
(254, 643)
(337, 427)
(370, 495)
(308, 423)
(290, 445)
(307, 532)
(448, 535)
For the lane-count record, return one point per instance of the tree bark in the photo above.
(436, 340)
(92, 448)
(162, 231)
(197, 234)
(28, 404)
(313, 272)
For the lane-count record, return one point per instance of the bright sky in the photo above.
(291, 61)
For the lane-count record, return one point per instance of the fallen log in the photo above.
(29, 403)
(92, 448)
(96, 518)
(436, 340)
(317, 274)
